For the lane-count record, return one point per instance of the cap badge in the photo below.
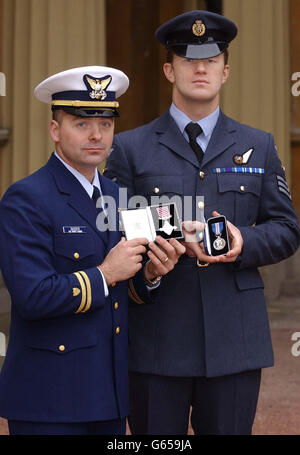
(198, 28)
(98, 86)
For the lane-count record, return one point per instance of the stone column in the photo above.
(258, 90)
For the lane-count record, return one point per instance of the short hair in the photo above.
(170, 56)
(57, 115)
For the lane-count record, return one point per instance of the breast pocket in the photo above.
(159, 189)
(239, 194)
(73, 249)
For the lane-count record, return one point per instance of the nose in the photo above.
(95, 133)
(200, 66)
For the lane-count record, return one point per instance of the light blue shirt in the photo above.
(207, 124)
(89, 188)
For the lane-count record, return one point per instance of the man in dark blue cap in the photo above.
(204, 342)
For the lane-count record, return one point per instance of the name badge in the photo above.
(74, 229)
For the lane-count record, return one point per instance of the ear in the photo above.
(54, 130)
(226, 72)
(169, 72)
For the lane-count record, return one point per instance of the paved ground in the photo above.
(278, 410)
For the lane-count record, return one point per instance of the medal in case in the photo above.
(151, 221)
(216, 240)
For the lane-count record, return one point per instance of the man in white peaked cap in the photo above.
(66, 366)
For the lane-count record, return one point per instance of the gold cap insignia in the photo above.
(198, 28)
(98, 86)
(76, 292)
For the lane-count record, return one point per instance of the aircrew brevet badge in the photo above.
(198, 28)
(244, 158)
(97, 86)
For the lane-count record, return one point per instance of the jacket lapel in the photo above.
(171, 137)
(76, 195)
(222, 138)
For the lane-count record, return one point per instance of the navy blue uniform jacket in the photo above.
(65, 362)
(212, 320)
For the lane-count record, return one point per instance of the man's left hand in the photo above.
(163, 255)
(235, 240)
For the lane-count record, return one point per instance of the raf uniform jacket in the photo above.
(67, 355)
(208, 321)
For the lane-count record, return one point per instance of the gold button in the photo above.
(117, 330)
(242, 188)
(116, 305)
(62, 348)
(156, 190)
(76, 255)
(113, 285)
(201, 175)
(201, 205)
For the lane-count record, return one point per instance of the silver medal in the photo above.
(219, 244)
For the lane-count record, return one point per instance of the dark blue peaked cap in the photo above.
(197, 34)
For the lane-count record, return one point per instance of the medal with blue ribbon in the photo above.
(219, 242)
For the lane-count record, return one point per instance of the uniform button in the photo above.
(117, 330)
(201, 205)
(116, 305)
(76, 255)
(113, 285)
(242, 188)
(62, 348)
(201, 175)
(156, 190)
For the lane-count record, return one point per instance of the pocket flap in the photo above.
(242, 183)
(160, 184)
(69, 244)
(248, 279)
(63, 345)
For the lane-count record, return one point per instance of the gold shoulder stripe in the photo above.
(89, 292)
(83, 291)
(134, 293)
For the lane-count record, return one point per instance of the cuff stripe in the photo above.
(89, 291)
(83, 292)
(134, 294)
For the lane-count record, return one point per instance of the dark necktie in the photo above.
(193, 130)
(96, 195)
(102, 223)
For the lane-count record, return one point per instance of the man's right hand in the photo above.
(124, 260)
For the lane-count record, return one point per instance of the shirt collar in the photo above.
(207, 123)
(89, 187)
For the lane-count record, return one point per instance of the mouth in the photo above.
(200, 81)
(94, 149)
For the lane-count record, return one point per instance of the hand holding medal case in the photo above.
(216, 240)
